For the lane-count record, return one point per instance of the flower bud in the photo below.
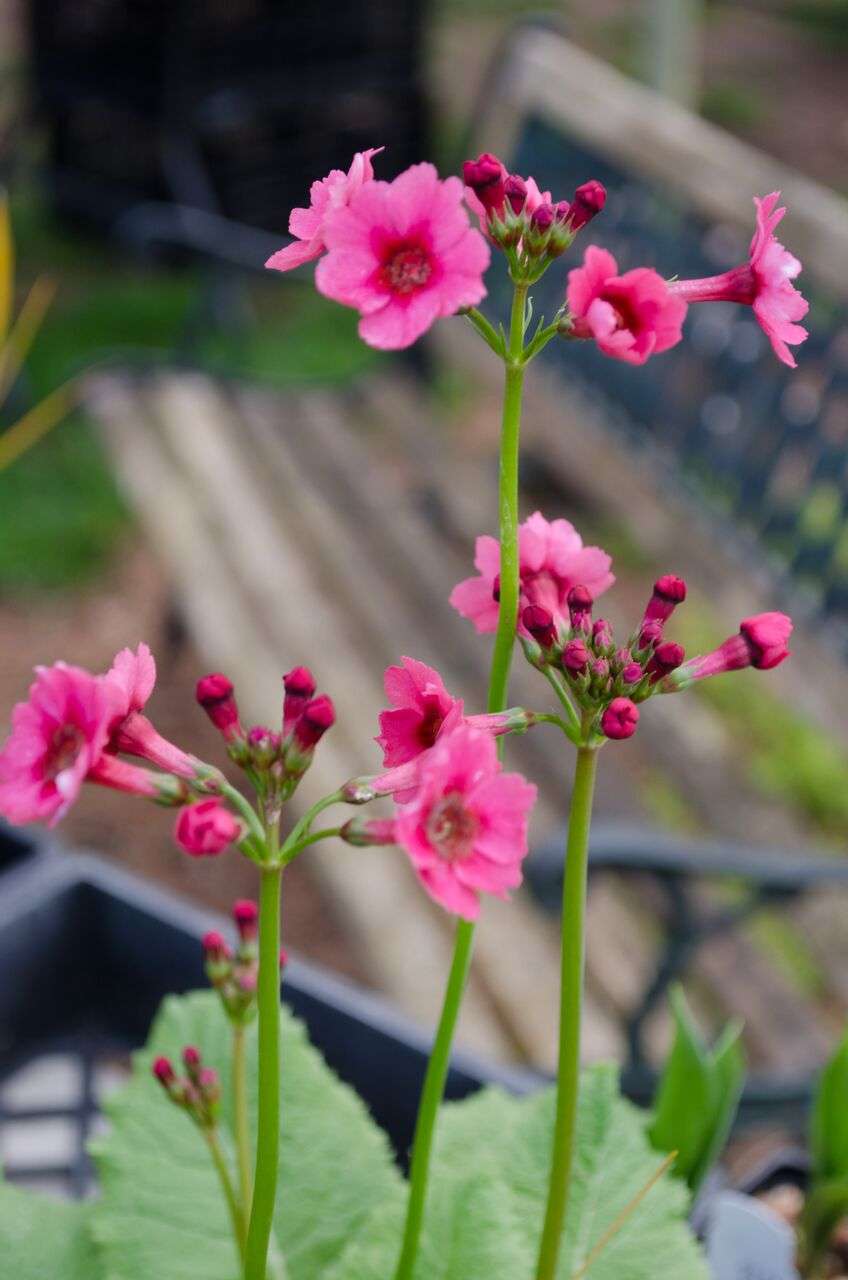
(163, 1070)
(600, 669)
(602, 635)
(668, 593)
(284, 958)
(767, 636)
(575, 657)
(540, 624)
(299, 685)
(632, 673)
(192, 1060)
(542, 217)
(215, 695)
(246, 917)
(215, 946)
(589, 200)
(363, 832)
(206, 828)
(667, 657)
(515, 190)
(486, 176)
(620, 719)
(579, 600)
(317, 717)
(650, 634)
(263, 747)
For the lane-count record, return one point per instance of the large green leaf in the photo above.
(43, 1239)
(162, 1213)
(488, 1186)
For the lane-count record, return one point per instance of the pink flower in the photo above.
(57, 737)
(552, 560)
(631, 317)
(307, 225)
(206, 828)
(764, 282)
(669, 591)
(620, 719)
(422, 710)
(466, 829)
(762, 642)
(403, 254)
(131, 679)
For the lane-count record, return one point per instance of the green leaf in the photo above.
(686, 1095)
(826, 1204)
(728, 1069)
(829, 1121)
(488, 1187)
(41, 1239)
(162, 1213)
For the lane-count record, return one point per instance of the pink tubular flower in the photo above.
(631, 317)
(307, 225)
(620, 719)
(299, 685)
(764, 282)
(466, 829)
(57, 738)
(667, 594)
(132, 677)
(215, 694)
(762, 642)
(206, 828)
(552, 560)
(403, 254)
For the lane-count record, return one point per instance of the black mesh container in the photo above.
(231, 105)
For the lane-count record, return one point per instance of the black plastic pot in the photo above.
(18, 847)
(88, 952)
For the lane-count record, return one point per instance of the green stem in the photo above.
(486, 331)
(268, 1117)
(571, 1000)
(236, 1213)
(313, 838)
(565, 701)
(431, 1097)
(434, 1080)
(301, 828)
(242, 1123)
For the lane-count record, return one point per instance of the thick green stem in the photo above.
(431, 1097)
(242, 1123)
(235, 1209)
(571, 1001)
(268, 1117)
(434, 1081)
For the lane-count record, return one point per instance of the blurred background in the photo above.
(240, 482)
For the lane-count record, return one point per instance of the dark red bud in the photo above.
(589, 200)
(300, 686)
(561, 210)
(246, 916)
(575, 657)
(542, 217)
(667, 657)
(214, 946)
(579, 600)
(540, 624)
(163, 1070)
(318, 716)
(215, 695)
(620, 719)
(515, 190)
(651, 633)
(191, 1057)
(486, 177)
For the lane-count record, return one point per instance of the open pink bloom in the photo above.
(307, 225)
(422, 710)
(131, 679)
(764, 282)
(57, 737)
(631, 317)
(403, 254)
(552, 560)
(466, 829)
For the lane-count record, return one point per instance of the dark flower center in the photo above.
(64, 749)
(406, 269)
(451, 828)
(431, 722)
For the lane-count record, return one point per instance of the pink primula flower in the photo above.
(764, 282)
(466, 829)
(631, 317)
(403, 254)
(552, 560)
(421, 711)
(57, 737)
(131, 679)
(307, 225)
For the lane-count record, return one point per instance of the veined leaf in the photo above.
(43, 1239)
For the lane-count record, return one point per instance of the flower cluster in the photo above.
(197, 1092)
(579, 654)
(234, 973)
(404, 254)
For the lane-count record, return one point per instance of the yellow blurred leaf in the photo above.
(35, 424)
(19, 341)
